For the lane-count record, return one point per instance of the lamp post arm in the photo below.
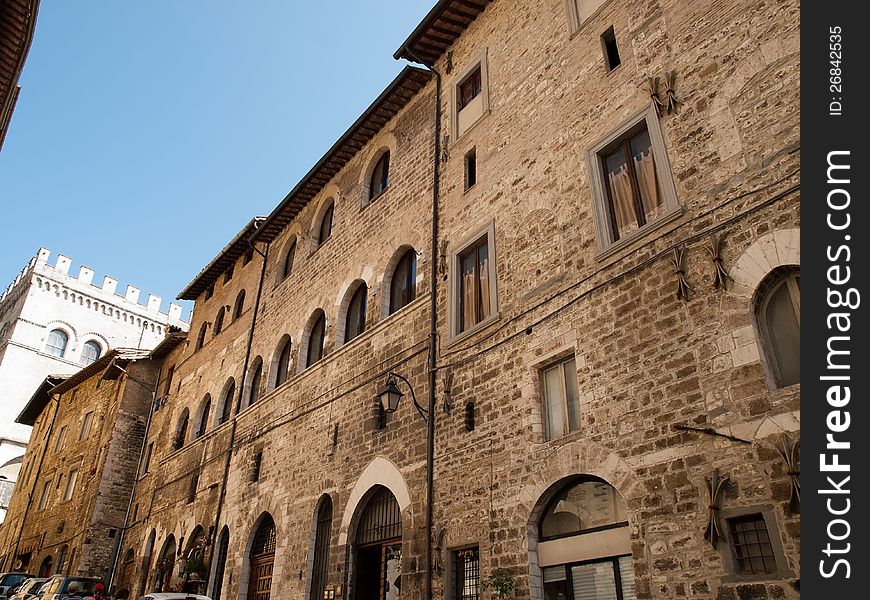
(423, 412)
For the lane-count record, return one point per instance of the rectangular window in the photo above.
(632, 187)
(470, 96)
(561, 398)
(473, 282)
(86, 425)
(611, 52)
(61, 438)
(43, 497)
(209, 292)
(751, 545)
(146, 459)
(469, 88)
(70, 484)
(256, 463)
(470, 169)
(168, 383)
(465, 569)
(229, 274)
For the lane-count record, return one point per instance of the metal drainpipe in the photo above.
(144, 445)
(231, 443)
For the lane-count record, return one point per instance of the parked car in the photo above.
(28, 589)
(57, 587)
(7, 580)
(173, 596)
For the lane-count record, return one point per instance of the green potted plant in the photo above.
(500, 582)
(195, 567)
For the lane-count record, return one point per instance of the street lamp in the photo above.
(390, 395)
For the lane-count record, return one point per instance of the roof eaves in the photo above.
(467, 10)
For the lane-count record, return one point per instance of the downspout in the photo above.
(119, 545)
(231, 444)
(433, 331)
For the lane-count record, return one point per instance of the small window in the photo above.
(209, 292)
(70, 484)
(146, 460)
(380, 176)
(287, 268)
(61, 438)
(751, 545)
(283, 365)
(181, 431)
(57, 341)
(355, 323)
(403, 285)
(200, 339)
(611, 52)
(561, 398)
(256, 378)
(326, 224)
(168, 382)
(474, 282)
(91, 352)
(632, 188)
(192, 486)
(86, 425)
(227, 404)
(256, 464)
(249, 256)
(465, 572)
(43, 496)
(470, 169)
(469, 88)
(228, 275)
(470, 97)
(203, 416)
(778, 315)
(239, 307)
(315, 340)
(219, 321)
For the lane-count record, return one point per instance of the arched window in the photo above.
(315, 339)
(262, 560)
(165, 565)
(91, 352)
(239, 307)
(584, 544)
(378, 544)
(61, 559)
(380, 176)
(355, 322)
(256, 378)
(46, 568)
(181, 431)
(778, 316)
(200, 339)
(203, 416)
(219, 321)
(126, 577)
(227, 402)
(221, 559)
(282, 367)
(291, 255)
(403, 285)
(326, 224)
(57, 341)
(321, 548)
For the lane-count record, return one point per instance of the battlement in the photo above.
(83, 283)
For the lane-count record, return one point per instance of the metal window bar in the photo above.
(466, 569)
(321, 550)
(381, 520)
(264, 540)
(751, 543)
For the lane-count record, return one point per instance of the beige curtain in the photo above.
(623, 206)
(484, 287)
(650, 198)
(468, 299)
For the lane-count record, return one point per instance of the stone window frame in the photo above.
(239, 305)
(726, 548)
(44, 495)
(305, 342)
(341, 322)
(553, 361)
(450, 580)
(576, 21)
(382, 154)
(248, 393)
(69, 487)
(454, 286)
(600, 200)
(390, 273)
(200, 425)
(285, 270)
(66, 344)
(60, 440)
(275, 380)
(479, 61)
(87, 424)
(779, 276)
(100, 350)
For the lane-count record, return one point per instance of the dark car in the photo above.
(27, 589)
(58, 587)
(7, 580)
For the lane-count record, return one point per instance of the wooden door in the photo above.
(260, 583)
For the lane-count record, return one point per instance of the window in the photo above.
(632, 188)
(146, 460)
(380, 176)
(583, 507)
(355, 322)
(778, 316)
(750, 543)
(580, 10)
(403, 285)
(219, 321)
(612, 578)
(91, 352)
(470, 169)
(168, 383)
(227, 405)
(228, 275)
(256, 464)
(181, 431)
(209, 292)
(43, 496)
(470, 95)
(474, 283)
(326, 224)
(319, 571)
(611, 52)
(200, 339)
(561, 398)
(282, 369)
(61, 438)
(70, 485)
(239, 307)
(86, 425)
(254, 393)
(191, 486)
(249, 256)
(291, 255)
(465, 571)
(203, 416)
(57, 341)
(315, 339)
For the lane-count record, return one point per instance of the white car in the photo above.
(173, 596)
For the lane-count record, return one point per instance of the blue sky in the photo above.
(148, 133)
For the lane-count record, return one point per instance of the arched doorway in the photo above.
(165, 565)
(126, 578)
(223, 548)
(378, 544)
(584, 545)
(195, 568)
(262, 560)
(45, 567)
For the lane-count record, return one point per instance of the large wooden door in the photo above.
(260, 584)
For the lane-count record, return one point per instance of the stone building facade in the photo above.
(53, 323)
(70, 505)
(556, 194)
